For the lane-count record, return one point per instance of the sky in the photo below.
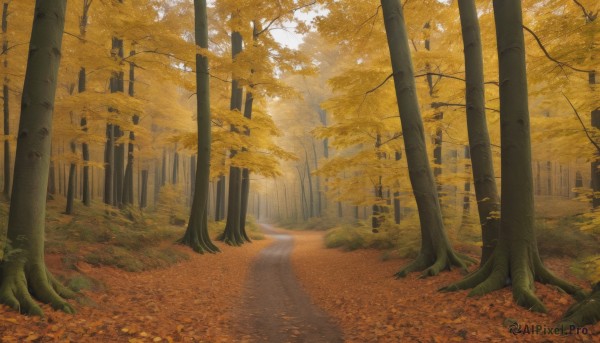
(286, 33)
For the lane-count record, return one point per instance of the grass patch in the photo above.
(396, 241)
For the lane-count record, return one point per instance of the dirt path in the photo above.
(276, 309)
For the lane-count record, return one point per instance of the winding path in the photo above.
(276, 308)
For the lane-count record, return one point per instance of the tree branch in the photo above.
(559, 63)
(587, 133)
(293, 10)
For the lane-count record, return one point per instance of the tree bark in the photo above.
(144, 195)
(232, 234)
(220, 199)
(397, 208)
(127, 194)
(196, 235)
(516, 259)
(71, 182)
(436, 253)
(24, 276)
(6, 107)
(486, 193)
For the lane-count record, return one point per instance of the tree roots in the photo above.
(585, 312)
(21, 282)
(500, 271)
(431, 266)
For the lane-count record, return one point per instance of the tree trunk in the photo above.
(193, 177)
(220, 199)
(516, 259)
(318, 180)
(397, 208)
(311, 203)
(232, 234)
(486, 193)
(51, 179)
(24, 275)
(127, 195)
(85, 150)
(119, 168)
(467, 188)
(596, 165)
(436, 253)
(196, 235)
(144, 195)
(71, 182)
(245, 172)
(6, 107)
(175, 175)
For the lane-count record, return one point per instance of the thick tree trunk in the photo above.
(24, 275)
(232, 234)
(486, 193)
(516, 259)
(196, 236)
(436, 253)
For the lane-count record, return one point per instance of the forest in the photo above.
(300, 171)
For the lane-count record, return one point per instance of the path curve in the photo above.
(275, 307)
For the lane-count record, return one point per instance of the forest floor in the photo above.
(252, 294)
(358, 290)
(191, 301)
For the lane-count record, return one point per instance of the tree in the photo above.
(516, 257)
(196, 236)
(436, 253)
(24, 273)
(6, 107)
(479, 138)
(233, 234)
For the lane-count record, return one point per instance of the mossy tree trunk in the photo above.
(196, 235)
(486, 193)
(23, 271)
(436, 253)
(232, 234)
(6, 103)
(516, 259)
